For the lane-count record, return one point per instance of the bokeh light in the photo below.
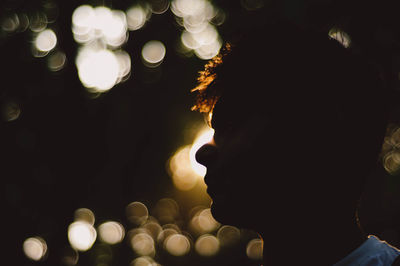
(99, 23)
(10, 111)
(84, 215)
(177, 244)
(143, 244)
(153, 53)
(137, 16)
(228, 235)
(69, 256)
(81, 235)
(207, 245)
(166, 210)
(136, 212)
(159, 6)
(111, 232)
(56, 61)
(46, 40)
(254, 249)
(183, 176)
(200, 34)
(38, 21)
(35, 248)
(98, 69)
(143, 261)
(203, 222)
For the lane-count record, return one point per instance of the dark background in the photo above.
(68, 149)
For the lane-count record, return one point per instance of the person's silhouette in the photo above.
(299, 121)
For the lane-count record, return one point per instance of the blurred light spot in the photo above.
(183, 175)
(207, 222)
(56, 61)
(177, 245)
(69, 256)
(143, 261)
(10, 24)
(35, 248)
(254, 249)
(207, 245)
(391, 162)
(153, 228)
(99, 23)
(208, 51)
(188, 41)
(124, 62)
(38, 22)
(153, 53)
(84, 215)
(205, 136)
(165, 233)
(166, 210)
(252, 4)
(228, 235)
(136, 213)
(98, 69)
(114, 28)
(10, 111)
(183, 8)
(143, 244)
(340, 36)
(23, 22)
(46, 40)
(207, 36)
(159, 6)
(111, 232)
(219, 17)
(81, 235)
(137, 17)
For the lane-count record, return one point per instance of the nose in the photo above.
(207, 154)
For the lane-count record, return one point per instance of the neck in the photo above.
(322, 240)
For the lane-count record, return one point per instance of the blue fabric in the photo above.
(373, 252)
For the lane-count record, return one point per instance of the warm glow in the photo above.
(207, 245)
(165, 233)
(89, 24)
(35, 248)
(205, 136)
(143, 261)
(208, 51)
(111, 232)
(46, 40)
(10, 111)
(137, 213)
(153, 53)
(84, 215)
(203, 222)
(188, 40)
(166, 210)
(143, 244)
(81, 235)
(98, 69)
(136, 17)
(184, 169)
(183, 175)
(391, 162)
(177, 244)
(56, 61)
(254, 249)
(228, 235)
